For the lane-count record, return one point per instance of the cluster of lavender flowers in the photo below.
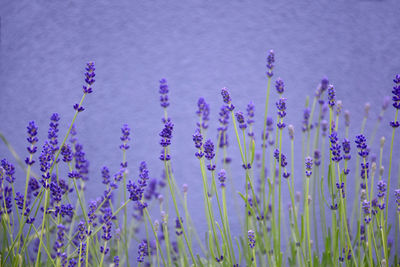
(51, 222)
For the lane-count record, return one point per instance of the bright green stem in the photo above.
(177, 210)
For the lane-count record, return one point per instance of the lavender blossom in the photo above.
(222, 130)
(116, 261)
(397, 196)
(367, 211)
(178, 226)
(361, 142)
(270, 63)
(89, 78)
(198, 143)
(203, 113)
(291, 131)
(252, 239)
(317, 157)
(164, 101)
(209, 153)
(227, 99)
(105, 173)
(396, 98)
(381, 189)
(347, 118)
(240, 118)
(53, 130)
(323, 86)
(166, 136)
(66, 152)
(281, 106)
(9, 170)
(125, 137)
(222, 177)
(335, 147)
(32, 139)
(282, 160)
(136, 190)
(309, 163)
(280, 86)
(306, 118)
(331, 96)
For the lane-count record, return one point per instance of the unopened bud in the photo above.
(382, 141)
(291, 131)
(381, 170)
(367, 107)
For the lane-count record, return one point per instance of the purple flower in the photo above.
(89, 77)
(252, 238)
(281, 105)
(227, 99)
(291, 131)
(306, 117)
(59, 243)
(105, 173)
(32, 139)
(283, 158)
(178, 226)
(331, 96)
(222, 130)
(335, 147)
(280, 86)
(250, 114)
(198, 143)
(222, 177)
(397, 196)
(203, 113)
(125, 137)
(309, 163)
(240, 118)
(66, 152)
(361, 142)
(116, 261)
(367, 211)
(164, 101)
(142, 251)
(270, 63)
(136, 190)
(166, 136)
(9, 170)
(322, 88)
(317, 157)
(396, 92)
(346, 149)
(381, 189)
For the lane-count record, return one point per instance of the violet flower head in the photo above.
(209, 153)
(166, 136)
(198, 143)
(280, 86)
(105, 173)
(89, 78)
(306, 118)
(397, 196)
(9, 171)
(364, 173)
(125, 137)
(250, 113)
(282, 159)
(366, 206)
(270, 63)
(281, 106)
(309, 163)
(59, 243)
(227, 99)
(203, 113)
(396, 98)
(346, 149)
(164, 101)
(222, 177)
(66, 152)
(361, 142)
(53, 130)
(381, 189)
(178, 226)
(335, 147)
(240, 118)
(317, 157)
(32, 139)
(142, 251)
(222, 130)
(252, 238)
(331, 96)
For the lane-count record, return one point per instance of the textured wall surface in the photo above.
(199, 47)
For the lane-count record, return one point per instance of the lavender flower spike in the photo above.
(164, 101)
(227, 99)
(270, 63)
(252, 238)
(222, 177)
(309, 163)
(125, 137)
(280, 86)
(89, 78)
(331, 96)
(240, 118)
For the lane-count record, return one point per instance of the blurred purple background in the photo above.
(199, 47)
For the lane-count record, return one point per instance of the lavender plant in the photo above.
(51, 222)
